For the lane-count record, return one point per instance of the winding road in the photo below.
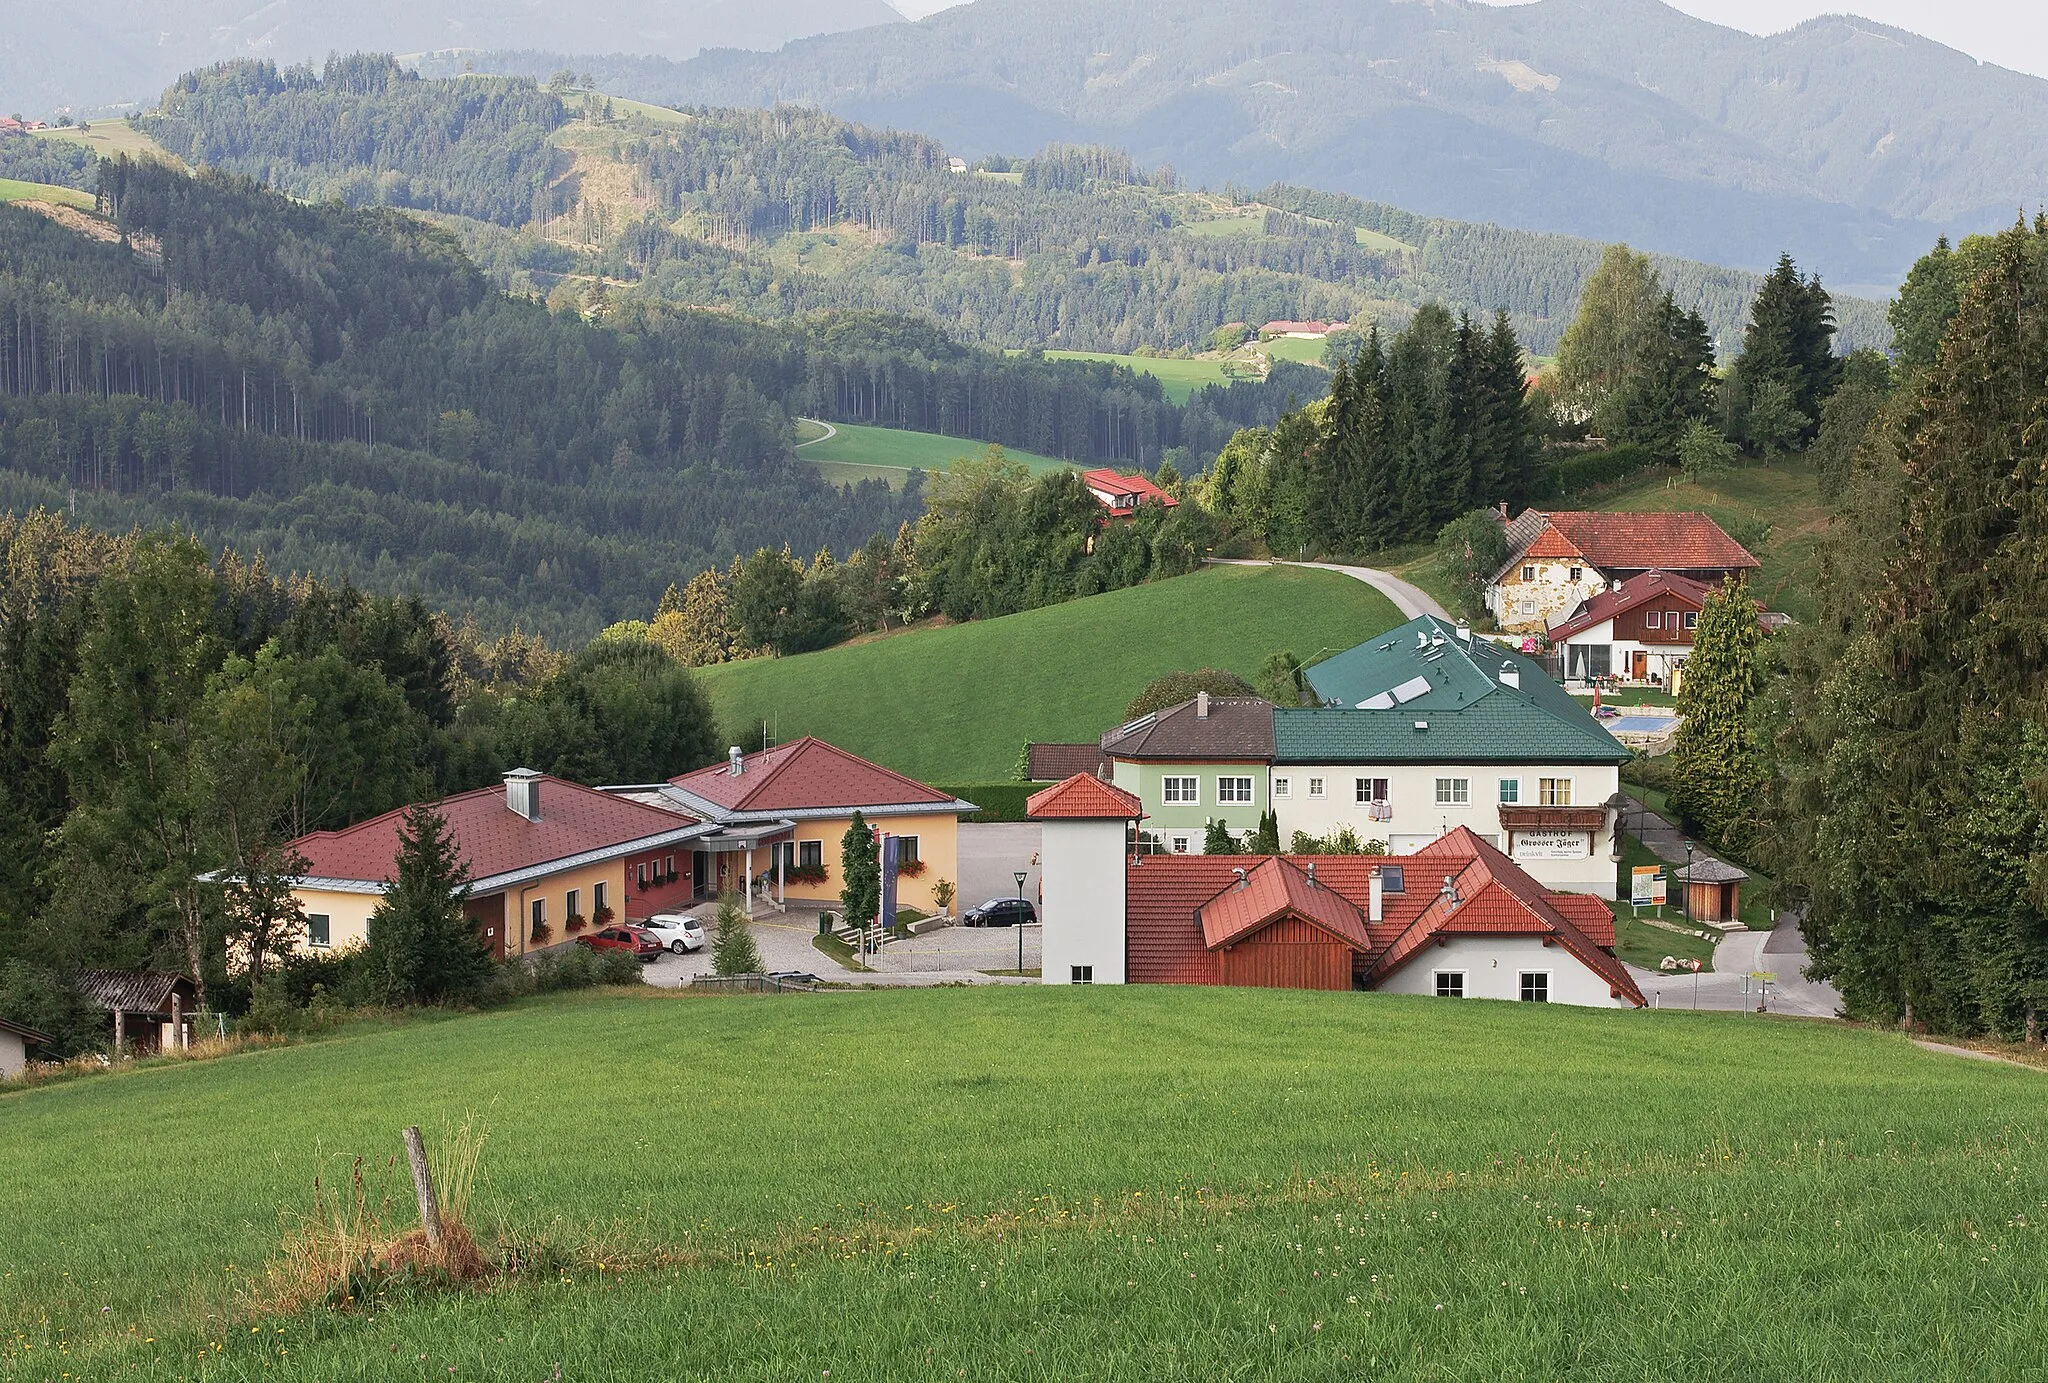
(1411, 600)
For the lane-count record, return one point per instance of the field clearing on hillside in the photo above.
(956, 704)
(1786, 495)
(891, 453)
(113, 138)
(1179, 378)
(15, 190)
(1302, 350)
(1217, 228)
(1061, 1183)
(1375, 240)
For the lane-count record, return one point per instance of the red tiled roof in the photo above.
(1274, 889)
(1083, 797)
(1646, 542)
(1631, 593)
(1168, 895)
(1551, 543)
(806, 774)
(1119, 485)
(1049, 763)
(489, 836)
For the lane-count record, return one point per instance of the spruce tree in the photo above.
(860, 895)
(424, 949)
(1717, 776)
(1789, 342)
(1219, 841)
(733, 951)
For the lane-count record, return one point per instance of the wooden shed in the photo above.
(151, 1008)
(1277, 928)
(1713, 891)
(15, 1040)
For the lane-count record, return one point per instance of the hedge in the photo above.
(998, 801)
(1577, 474)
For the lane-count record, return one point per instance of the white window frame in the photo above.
(1522, 986)
(1188, 783)
(1454, 792)
(1578, 574)
(1081, 974)
(1511, 792)
(1455, 978)
(1283, 787)
(1178, 843)
(1362, 793)
(807, 847)
(1528, 573)
(1692, 620)
(570, 900)
(536, 916)
(1234, 782)
(1553, 792)
(1654, 620)
(1315, 790)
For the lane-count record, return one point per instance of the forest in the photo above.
(789, 211)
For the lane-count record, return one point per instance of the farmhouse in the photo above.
(1301, 329)
(1456, 919)
(15, 1040)
(1640, 631)
(1559, 561)
(546, 859)
(1123, 495)
(780, 814)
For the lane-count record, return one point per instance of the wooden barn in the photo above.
(152, 1009)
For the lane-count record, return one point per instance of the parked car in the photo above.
(677, 932)
(793, 976)
(638, 940)
(1000, 912)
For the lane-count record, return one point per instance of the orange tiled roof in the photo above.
(1274, 889)
(1083, 797)
(1645, 542)
(806, 774)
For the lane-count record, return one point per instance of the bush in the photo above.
(733, 951)
(1575, 475)
(1176, 687)
(996, 801)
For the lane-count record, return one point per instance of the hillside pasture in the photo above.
(1179, 378)
(15, 190)
(856, 453)
(957, 703)
(1059, 1183)
(112, 139)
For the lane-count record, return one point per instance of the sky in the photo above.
(2011, 33)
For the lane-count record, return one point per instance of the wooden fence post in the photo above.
(423, 1183)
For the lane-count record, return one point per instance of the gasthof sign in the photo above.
(1553, 845)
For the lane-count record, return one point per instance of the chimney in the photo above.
(1510, 676)
(738, 760)
(522, 793)
(1201, 705)
(1376, 903)
(1464, 631)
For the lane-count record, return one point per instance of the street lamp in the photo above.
(1687, 895)
(1020, 876)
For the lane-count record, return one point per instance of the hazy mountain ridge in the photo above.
(1847, 142)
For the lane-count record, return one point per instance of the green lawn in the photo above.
(1043, 1184)
(1786, 495)
(890, 454)
(14, 190)
(956, 704)
(1635, 940)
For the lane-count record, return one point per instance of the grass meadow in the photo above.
(1786, 495)
(1178, 378)
(15, 190)
(859, 453)
(113, 138)
(1062, 1183)
(956, 703)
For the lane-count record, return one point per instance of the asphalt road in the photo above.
(991, 853)
(1410, 599)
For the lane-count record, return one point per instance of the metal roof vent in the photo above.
(522, 793)
(1239, 872)
(1312, 875)
(737, 759)
(1450, 891)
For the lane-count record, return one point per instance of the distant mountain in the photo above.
(88, 57)
(1847, 142)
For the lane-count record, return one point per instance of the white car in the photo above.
(677, 932)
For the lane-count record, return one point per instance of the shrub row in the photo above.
(998, 801)
(1575, 475)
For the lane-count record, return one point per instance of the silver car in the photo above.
(677, 932)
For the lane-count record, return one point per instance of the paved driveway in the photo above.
(990, 854)
(1410, 599)
(1727, 988)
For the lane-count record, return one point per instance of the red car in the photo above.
(642, 943)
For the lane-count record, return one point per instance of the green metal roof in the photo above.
(1424, 671)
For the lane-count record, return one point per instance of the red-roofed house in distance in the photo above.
(1121, 496)
(546, 858)
(1558, 561)
(1457, 918)
(780, 814)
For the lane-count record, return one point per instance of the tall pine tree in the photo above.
(1717, 776)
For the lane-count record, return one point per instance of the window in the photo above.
(1083, 974)
(1184, 791)
(1528, 573)
(1692, 620)
(1578, 573)
(906, 849)
(1654, 620)
(1585, 660)
(643, 876)
(810, 854)
(1553, 792)
(669, 868)
(1393, 878)
(784, 856)
(1510, 791)
(597, 891)
(318, 933)
(1535, 986)
(1282, 787)
(569, 908)
(1369, 790)
(1233, 790)
(1315, 788)
(1180, 845)
(1454, 792)
(539, 919)
(1450, 984)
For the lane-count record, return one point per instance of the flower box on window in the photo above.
(805, 874)
(602, 917)
(909, 869)
(541, 932)
(574, 922)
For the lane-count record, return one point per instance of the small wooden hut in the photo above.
(1713, 891)
(152, 1009)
